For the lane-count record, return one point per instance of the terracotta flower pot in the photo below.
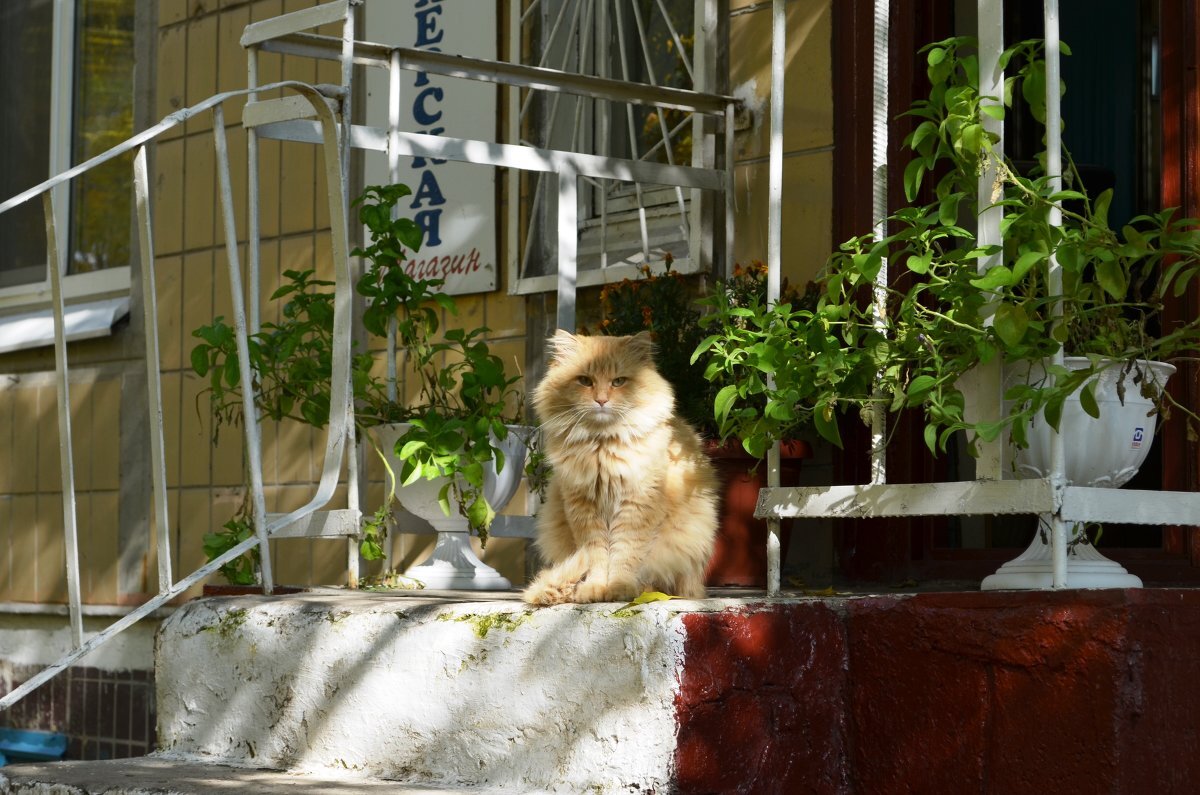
(740, 557)
(223, 589)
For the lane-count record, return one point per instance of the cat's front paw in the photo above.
(546, 593)
(611, 591)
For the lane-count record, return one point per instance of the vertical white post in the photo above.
(1058, 546)
(568, 245)
(987, 387)
(249, 409)
(774, 242)
(54, 264)
(352, 451)
(879, 213)
(512, 176)
(252, 216)
(394, 176)
(158, 463)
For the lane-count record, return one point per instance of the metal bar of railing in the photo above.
(249, 401)
(774, 241)
(158, 463)
(879, 216)
(568, 246)
(353, 458)
(253, 232)
(340, 397)
(1058, 545)
(54, 264)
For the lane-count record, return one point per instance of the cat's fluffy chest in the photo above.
(609, 470)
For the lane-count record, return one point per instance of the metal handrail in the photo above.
(340, 405)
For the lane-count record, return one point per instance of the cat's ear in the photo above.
(562, 344)
(641, 345)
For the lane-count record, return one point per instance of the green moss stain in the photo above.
(229, 623)
(484, 623)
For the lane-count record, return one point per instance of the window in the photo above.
(84, 97)
(648, 42)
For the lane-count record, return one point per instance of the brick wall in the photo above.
(105, 714)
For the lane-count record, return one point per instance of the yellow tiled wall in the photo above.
(198, 54)
(807, 133)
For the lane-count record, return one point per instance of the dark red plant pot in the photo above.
(740, 557)
(219, 589)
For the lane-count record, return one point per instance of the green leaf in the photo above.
(200, 360)
(231, 372)
(370, 549)
(480, 513)
(995, 111)
(1010, 323)
(410, 448)
(825, 420)
(724, 401)
(1054, 410)
(920, 264)
(919, 387)
(1100, 207)
(913, 174)
(998, 276)
(931, 438)
(1087, 400)
(1112, 278)
(1025, 262)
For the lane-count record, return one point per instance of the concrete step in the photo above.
(418, 687)
(157, 775)
(1068, 691)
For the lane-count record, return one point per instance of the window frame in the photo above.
(109, 282)
(659, 201)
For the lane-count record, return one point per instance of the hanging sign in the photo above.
(454, 203)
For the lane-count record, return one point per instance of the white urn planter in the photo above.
(453, 564)
(1102, 452)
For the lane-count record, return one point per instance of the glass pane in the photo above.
(25, 28)
(654, 61)
(103, 117)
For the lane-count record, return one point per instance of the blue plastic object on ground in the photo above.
(21, 745)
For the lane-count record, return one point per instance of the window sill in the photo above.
(94, 303)
(108, 283)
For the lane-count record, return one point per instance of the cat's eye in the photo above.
(619, 380)
(584, 380)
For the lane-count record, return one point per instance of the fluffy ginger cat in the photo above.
(632, 502)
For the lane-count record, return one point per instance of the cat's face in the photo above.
(603, 385)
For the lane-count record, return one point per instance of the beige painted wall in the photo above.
(197, 55)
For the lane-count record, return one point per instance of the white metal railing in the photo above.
(1051, 497)
(321, 115)
(277, 119)
(340, 419)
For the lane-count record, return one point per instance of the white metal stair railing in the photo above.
(1052, 497)
(286, 119)
(340, 418)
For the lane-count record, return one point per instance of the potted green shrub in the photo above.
(666, 305)
(943, 316)
(457, 433)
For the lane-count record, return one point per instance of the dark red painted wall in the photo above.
(1074, 692)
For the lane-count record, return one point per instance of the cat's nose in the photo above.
(600, 401)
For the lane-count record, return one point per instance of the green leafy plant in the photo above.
(670, 307)
(785, 367)
(242, 570)
(465, 396)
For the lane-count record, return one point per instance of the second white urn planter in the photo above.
(1103, 452)
(453, 564)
